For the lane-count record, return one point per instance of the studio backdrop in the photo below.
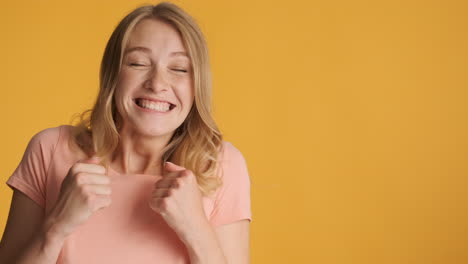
(352, 115)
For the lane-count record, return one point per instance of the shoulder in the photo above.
(232, 162)
(51, 136)
(232, 199)
(230, 153)
(47, 140)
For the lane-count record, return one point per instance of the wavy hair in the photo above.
(197, 142)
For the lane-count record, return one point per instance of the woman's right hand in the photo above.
(85, 190)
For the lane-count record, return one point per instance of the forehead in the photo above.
(155, 35)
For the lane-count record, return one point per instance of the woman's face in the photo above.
(154, 92)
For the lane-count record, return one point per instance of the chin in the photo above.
(156, 132)
(145, 130)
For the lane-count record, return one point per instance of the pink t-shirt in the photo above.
(128, 231)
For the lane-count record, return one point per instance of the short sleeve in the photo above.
(232, 199)
(31, 173)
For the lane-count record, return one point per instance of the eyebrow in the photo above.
(143, 49)
(147, 50)
(179, 53)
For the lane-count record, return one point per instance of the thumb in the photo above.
(171, 167)
(92, 160)
(96, 160)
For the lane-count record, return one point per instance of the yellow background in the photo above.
(352, 115)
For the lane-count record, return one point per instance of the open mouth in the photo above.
(154, 105)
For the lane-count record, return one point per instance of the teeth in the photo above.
(158, 106)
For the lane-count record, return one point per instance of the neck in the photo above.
(139, 154)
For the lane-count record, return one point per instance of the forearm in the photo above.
(203, 246)
(43, 248)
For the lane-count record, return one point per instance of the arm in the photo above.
(223, 244)
(26, 240)
(235, 241)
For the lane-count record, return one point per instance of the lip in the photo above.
(154, 100)
(171, 107)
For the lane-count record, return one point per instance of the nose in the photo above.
(156, 80)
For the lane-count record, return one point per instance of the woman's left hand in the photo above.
(178, 199)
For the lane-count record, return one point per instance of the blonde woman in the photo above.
(145, 176)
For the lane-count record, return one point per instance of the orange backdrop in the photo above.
(352, 115)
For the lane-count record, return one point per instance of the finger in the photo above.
(92, 178)
(97, 189)
(157, 205)
(170, 176)
(101, 202)
(89, 168)
(163, 184)
(171, 167)
(160, 193)
(166, 183)
(92, 160)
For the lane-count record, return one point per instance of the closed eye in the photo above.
(136, 64)
(180, 70)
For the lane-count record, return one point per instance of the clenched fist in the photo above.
(178, 199)
(85, 189)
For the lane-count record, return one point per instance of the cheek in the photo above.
(126, 83)
(129, 79)
(125, 79)
(121, 96)
(185, 91)
(190, 96)
(118, 100)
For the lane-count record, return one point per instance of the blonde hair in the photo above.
(196, 143)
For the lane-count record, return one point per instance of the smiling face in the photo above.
(154, 92)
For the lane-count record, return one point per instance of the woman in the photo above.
(108, 190)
